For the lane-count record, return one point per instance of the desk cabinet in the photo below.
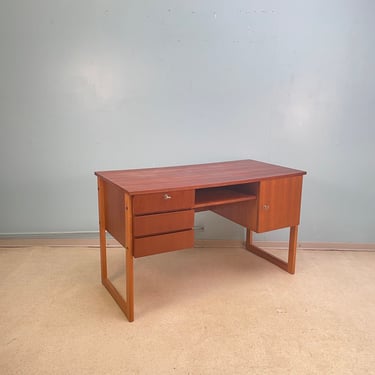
(163, 222)
(278, 203)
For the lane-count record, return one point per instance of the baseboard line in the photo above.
(283, 245)
(93, 241)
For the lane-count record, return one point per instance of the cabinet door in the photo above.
(279, 203)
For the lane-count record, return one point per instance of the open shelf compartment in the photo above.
(207, 198)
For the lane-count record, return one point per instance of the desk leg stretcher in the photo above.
(290, 265)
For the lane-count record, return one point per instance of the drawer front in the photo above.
(163, 243)
(163, 202)
(163, 223)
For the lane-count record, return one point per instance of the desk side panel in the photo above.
(114, 211)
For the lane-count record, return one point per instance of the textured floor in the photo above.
(199, 311)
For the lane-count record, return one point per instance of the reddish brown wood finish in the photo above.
(163, 202)
(129, 246)
(279, 203)
(150, 211)
(210, 197)
(288, 266)
(102, 228)
(147, 225)
(243, 213)
(292, 252)
(111, 201)
(163, 243)
(138, 181)
(114, 203)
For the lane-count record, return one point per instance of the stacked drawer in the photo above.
(163, 222)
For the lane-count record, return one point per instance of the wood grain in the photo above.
(147, 225)
(114, 201)
(129, 261)
(163, 243)
(102, 232)
(279, 203)
(163, 202)
(138, 181)
(209, 197)
(151, 211)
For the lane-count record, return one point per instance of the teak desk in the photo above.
(151, 211)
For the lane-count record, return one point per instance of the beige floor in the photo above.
(200, 311)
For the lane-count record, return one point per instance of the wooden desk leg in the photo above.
(292, 249)
(127, 306)
(290, 265)
(102, 233)
(129, 258)
(249, 238)
(129, 286)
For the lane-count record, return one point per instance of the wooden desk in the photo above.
(151, 211)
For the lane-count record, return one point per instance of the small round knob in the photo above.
(266, 206)
(167, 196)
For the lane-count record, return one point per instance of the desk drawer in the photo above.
(163, 202)
(147, 225)
(163, 243)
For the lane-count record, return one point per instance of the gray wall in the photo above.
(93, 85)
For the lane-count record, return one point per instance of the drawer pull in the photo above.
(167, 196)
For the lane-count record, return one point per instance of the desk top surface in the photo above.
(137, 181)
